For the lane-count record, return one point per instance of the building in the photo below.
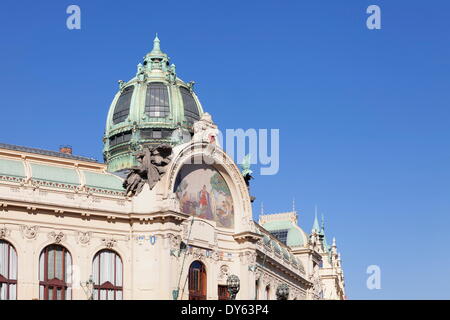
(167, 216)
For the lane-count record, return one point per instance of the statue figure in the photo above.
(172, 74)
(247, 173)
(282, 291)
(152, 165)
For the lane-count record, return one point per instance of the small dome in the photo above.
(148, 109)
(296, 237)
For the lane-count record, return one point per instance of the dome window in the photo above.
(280, 235)
(120, 138)
(122, 108)
(157, 100)
(190, 106)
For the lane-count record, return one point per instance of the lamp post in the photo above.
(233, 284)
(88, 287)
(282, 292)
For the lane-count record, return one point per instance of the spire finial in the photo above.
(316, 226)
(293, 204)
(156, 44)
(262, 208)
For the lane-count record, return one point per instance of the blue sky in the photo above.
(363, 115)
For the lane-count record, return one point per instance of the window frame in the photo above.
(7, 280)
(55, 284)
(163, 91)
(120, 115)
(107, 285)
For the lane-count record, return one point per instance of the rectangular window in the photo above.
(280, 235)
(157, 100)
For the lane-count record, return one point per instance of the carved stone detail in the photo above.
(224, 272)
(57, 237)
(4, 232)
(84, 237)
(29, 232)
(109, 242)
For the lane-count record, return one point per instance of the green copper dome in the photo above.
(147, 111)
(295, 237)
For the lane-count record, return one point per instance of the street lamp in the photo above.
(282, 291)
(233, 284)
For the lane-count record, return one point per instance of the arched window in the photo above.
(8, 271)
(190, 106)
(197, 281)
(107, 272)
(267, 292)
(122, 108)
(157, 100)
(55, 265)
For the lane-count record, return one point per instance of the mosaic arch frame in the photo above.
(226, 167)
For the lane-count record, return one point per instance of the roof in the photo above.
(51, 174)
(285, 221)
(296, 237)
(45, 152)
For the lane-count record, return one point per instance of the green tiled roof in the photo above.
(12, 168)
(54, 174)
(103, 181)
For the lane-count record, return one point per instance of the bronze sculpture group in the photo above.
(153, 163)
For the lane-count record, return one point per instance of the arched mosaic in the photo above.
(203, 193)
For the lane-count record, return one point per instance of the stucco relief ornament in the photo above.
(152, 166)
(174, 241)
(84, 237)
(29, 232)
(224, 272)
(109, 243)
(56, 237)
(4, 232)
(206, 131)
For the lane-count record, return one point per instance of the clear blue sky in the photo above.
(363, 115)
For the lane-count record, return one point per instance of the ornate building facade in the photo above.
(167, 216)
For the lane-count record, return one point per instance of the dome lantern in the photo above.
(152, 108)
